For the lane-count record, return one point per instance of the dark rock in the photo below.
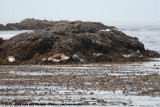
(1, 27)
(82, 38)
(11, 26)
(151, 53)
(33, 24)
(1, 40)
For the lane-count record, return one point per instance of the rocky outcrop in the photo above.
(28, 24)
(33, 24)
(1, 27)
(84, 40)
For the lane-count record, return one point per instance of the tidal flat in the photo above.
(133, 84)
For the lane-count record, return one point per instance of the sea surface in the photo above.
(148, 35)
(9, 34)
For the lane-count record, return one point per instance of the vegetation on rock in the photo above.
(84, 39)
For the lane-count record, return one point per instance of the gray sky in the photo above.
(110, 12)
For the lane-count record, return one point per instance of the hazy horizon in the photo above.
(109, 12)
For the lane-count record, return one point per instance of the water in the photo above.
(148, 35)
(9, 34)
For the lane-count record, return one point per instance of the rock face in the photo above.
(1, 27)
(33, 24)
(72, 38)
(1, 40)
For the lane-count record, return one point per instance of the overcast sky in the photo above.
(110, 12)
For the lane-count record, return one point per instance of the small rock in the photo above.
(127, 55)
(12, 72)
(106, 30)
(44, 59)
(50, 59)
(97, 54)
(58, 58)
(75, 58)
(11, 59)
(82, 60)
